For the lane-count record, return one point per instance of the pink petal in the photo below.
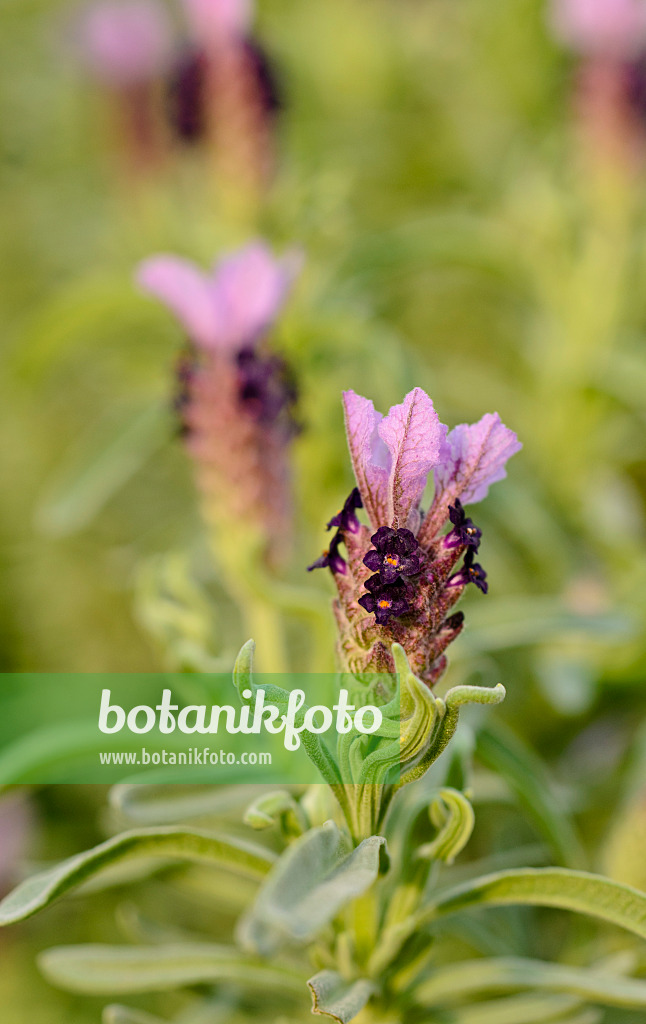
(613, 27)
(370, 456)
(473, 458)
(187, 291)
(414, 437)
(249, 289)
(125, 41)
(214, 21)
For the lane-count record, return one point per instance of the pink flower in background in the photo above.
(236, 398)
(611, 27)
(224, 94)
(398, 583)
(215, 21)
(125, 41)
(228, 307)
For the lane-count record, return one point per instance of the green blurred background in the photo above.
(457, 236)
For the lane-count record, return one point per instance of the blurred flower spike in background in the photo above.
(223, 92)
(127, 47)
(399, 583)
(610, 100)
(236, 398)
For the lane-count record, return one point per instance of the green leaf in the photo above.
(453, 816)
(447, 722)
(415, 711)
(116, 970)
(277, 806)
(529, 1009)
(561, 888)
(547, 887)
(335, 997)
(193, 845)
(507, 973)
(159, 805)
(116, 1014)
(523, 771)
(313, 744)
(308, 886)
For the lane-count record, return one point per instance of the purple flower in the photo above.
(125, 42)
(230, 307)
(345, 519)
(386, 600)
(615, 28)
(215, 21)
(471, 572)
(473, 457)
(395, 554)
(267, 388)
(393, 455)
(331, 559)
(414, 582)
(464, 531)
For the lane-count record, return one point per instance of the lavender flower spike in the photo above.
(229, 307)
(414, 585)
(236, 398)
(393, 455)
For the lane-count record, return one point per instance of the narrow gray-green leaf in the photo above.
(39, 891)
(116, 1014)
(335, 997)
(117, 970)
(311, 882)
(522, 770)
(499, 974)
(562, 888)
(528, 1009)
(159, 805)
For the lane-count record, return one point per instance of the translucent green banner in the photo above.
(195, 728)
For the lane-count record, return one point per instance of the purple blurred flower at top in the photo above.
(229, 307)
(615, 28)
(125, 41)
(217, 21)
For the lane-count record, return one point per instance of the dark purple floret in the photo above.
(267, 388)
(464, 531)
(185, 367)
(635, 72)
(386, 600)
(345, 519)
(186, 89)
(331, 559)
(395, 554)
(264, 76)
(471, 572)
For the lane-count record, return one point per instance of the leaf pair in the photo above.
(311, 882)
